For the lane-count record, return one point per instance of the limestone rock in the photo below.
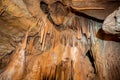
(65, 40)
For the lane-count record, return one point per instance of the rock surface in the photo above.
(111, 24)
(59, 40)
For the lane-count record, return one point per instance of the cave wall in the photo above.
(59, 40)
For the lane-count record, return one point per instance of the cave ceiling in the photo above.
(59, 39)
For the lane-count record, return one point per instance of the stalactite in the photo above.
(66, 57)
(62, 43)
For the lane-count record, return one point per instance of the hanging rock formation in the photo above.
(59, 40)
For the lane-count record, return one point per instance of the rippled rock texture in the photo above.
(59, 40)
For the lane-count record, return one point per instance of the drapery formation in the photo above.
(53, 40)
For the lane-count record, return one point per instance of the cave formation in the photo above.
(59, 40)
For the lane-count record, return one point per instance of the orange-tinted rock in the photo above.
(63, 43)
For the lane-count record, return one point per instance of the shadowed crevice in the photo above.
(91, 59)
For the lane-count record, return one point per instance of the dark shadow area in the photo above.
(46, 10)
(60, 27)
(59, 8)
(86, 16)
(107, 37)
(44, 7)
(88, 54)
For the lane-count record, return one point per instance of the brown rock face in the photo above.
(59, 40)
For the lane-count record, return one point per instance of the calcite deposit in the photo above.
(59, 39)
